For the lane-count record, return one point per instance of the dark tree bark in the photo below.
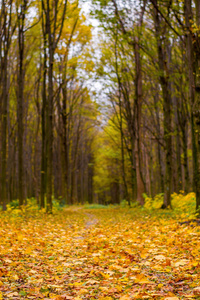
(193, 56)
(196, 107)
(7, 31)
(159, 150)
(120, 120)
(178, 146)
(4, 98)
(182, 115)
(43, 115)
(138, 105)
(20, 99)
(163, 61)
(134, 120)
(51, 13)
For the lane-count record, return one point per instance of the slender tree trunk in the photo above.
(4, 135)
(50, 132)
(178, 147)
(197, 102)
(194, 90)
(90, 179)
(159, 150)
(166, 90)
(43, 124)
(49, 118)
(20, 102)
(138, 100)
(5, 41)
(185, 158)
(36, 152)
(123, 165)
(120, 119)
(183, 125)
(74, 163)
(51, 14)
(168, 144)
(65, 149)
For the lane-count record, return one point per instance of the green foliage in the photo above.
(32, 205)
(14, 204)
(124, 203)
(58, 205)
(95, 206)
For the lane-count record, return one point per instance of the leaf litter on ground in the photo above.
(103, 254)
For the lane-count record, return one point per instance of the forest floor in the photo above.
(105, 254)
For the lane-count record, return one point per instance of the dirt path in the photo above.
(92, 220)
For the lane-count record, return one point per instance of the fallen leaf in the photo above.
(180, 263)
(125, 297)
(14, 294)
(142, 279)
(171, 298)
(196, 291)
(160, 257)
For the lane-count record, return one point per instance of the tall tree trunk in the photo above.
(4, 134)
(166, 91)
(50, 125)
(138, 104)
(51, 15)
(159, 150)
(193, 55)
(20, 102)
(74, 163)
(65, 150)
(185, 158)
(7, 31)
(183, 125)
(4, 99)
(197, 102)
(178, 146)
(43, 121)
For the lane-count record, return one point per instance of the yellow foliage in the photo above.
(184, 204)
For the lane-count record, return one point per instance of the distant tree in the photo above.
(7, 29)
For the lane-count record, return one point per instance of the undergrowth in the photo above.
(183, 207)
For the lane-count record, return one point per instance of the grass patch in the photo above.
(95, 206)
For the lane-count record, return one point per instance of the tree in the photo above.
(7, 30)
(164, 60)
(53, 31)
(193, 55)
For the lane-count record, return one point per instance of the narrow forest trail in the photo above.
(103, 254)
(90, 221)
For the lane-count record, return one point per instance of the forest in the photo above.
(99, 149)
(99, 114)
